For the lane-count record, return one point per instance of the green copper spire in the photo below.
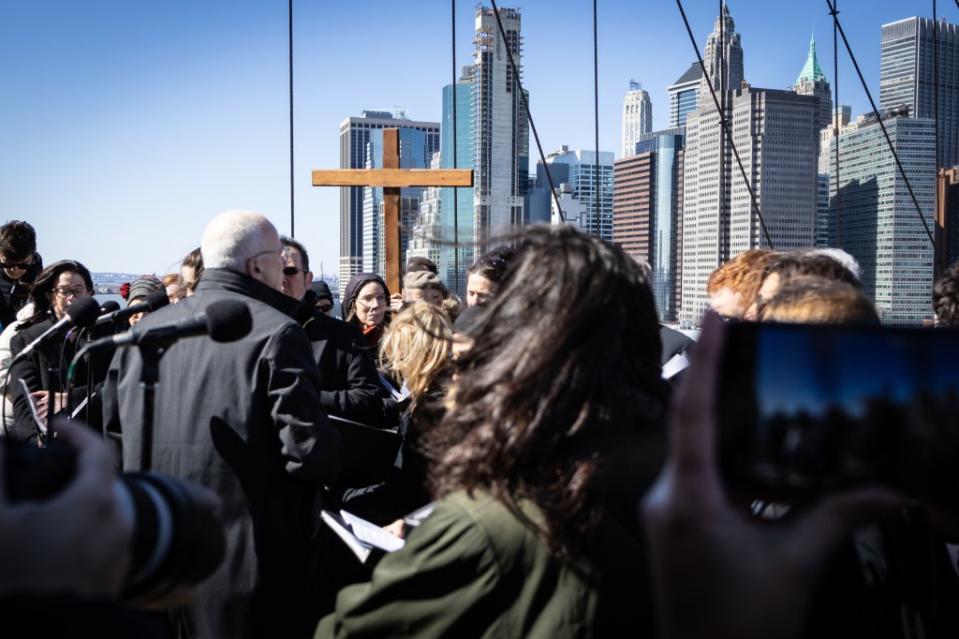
(811, 70)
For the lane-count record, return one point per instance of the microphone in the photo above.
(150, 303)
(108, 307)
(82, 312)
(223, 321)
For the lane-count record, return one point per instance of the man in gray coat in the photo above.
(245, 420)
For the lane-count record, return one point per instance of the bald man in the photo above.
(244, 419)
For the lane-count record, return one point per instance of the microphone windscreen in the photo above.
(228, 320)
(156, 299)
(84, 312)
(109, 307)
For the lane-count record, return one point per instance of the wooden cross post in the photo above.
(392, 178)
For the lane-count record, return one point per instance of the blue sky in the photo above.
(126, 125)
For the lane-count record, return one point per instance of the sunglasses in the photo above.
(19, 265)
(292, 270)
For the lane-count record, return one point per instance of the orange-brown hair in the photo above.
(743, 275)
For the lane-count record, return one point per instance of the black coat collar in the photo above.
(220, 279)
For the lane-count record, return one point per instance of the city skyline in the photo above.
(133, 126)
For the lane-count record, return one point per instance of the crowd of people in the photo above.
(568, 462)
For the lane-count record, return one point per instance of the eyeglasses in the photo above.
(292, 270)
(325, 307)
(66, 291)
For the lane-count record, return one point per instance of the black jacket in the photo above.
(13, 293)
(35, 370)
(349, 385)
(245, 420)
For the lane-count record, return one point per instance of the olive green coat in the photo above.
(474, 569)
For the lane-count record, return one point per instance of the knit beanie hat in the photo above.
(143, 286)
(322, 290)
(423, 279)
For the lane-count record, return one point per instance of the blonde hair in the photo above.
(416, 346)
(817, 300)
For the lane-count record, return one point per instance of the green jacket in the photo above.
(474, 569)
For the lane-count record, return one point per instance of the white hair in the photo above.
(840, 256)
(233, 237)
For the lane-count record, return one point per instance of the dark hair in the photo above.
(419, 263)
(493, 265)
(945, 297)
(554, 398)
(468, 319)
(194, 260)
(290, 242)
(789, 265)
(42, 287)
(18, 240)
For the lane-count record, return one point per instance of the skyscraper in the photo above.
(647, 212)
(577, 169)
(827, 139)
(500, 128)
(357, 152)
(492, 138)
(684, 95)
(633, 204)
(947, 223)
(666, 148)
(812, 81)
(907, 76)
(637, 117)
(426, 239)
(877, 221)
(722, 46)
(776, 136)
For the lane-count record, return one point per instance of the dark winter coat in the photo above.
(245, 420)
(14, 293)
(35, 370)
(350, 386)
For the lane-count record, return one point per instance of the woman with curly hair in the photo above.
(554, 431)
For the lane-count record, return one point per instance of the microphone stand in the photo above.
(53, 384)
(88, 335)
(149, 378)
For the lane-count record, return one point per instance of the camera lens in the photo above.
(177, 542)
(177, 538)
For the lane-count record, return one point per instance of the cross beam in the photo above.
(392, 178)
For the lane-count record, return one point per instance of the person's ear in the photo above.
(309, 276)
(251, 267)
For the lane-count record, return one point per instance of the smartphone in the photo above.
(808, 409)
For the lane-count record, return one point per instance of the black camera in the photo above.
(807, 409)
(177, 542)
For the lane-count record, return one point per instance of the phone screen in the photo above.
(809, 409)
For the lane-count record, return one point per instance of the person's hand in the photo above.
(41, 400)
(396, 302)
(77, 542)
(716, 573)
(397, 529)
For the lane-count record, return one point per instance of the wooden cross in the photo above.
(392, 178)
